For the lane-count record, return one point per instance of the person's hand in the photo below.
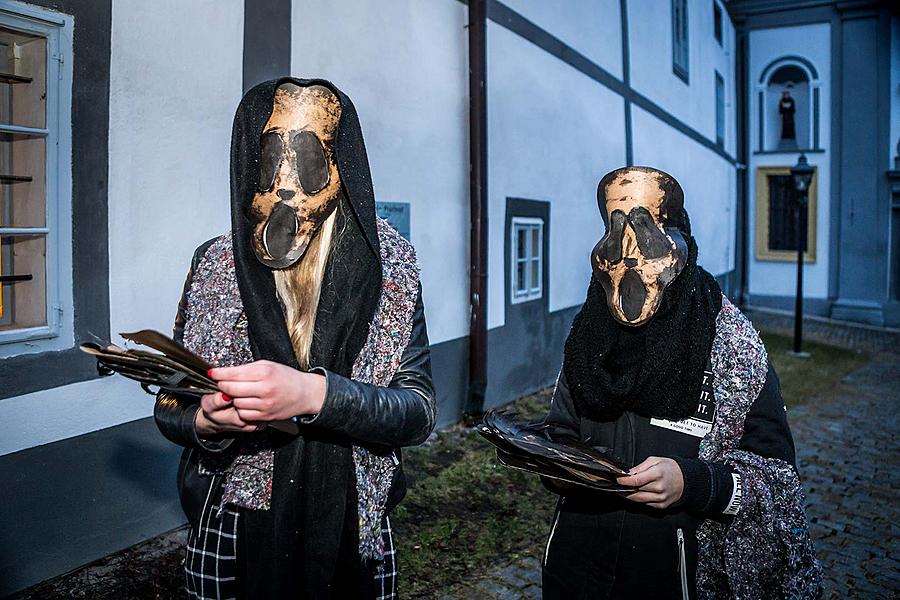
(217, 415)
(265, 391)
(659, 482)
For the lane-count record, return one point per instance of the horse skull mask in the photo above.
(299, 183)
(644, 248)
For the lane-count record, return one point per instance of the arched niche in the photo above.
(800, 79)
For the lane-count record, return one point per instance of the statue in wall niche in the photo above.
(786, 109)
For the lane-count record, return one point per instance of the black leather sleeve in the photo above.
(401, 414)
(174, 414)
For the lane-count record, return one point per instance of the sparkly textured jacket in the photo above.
(399, 414)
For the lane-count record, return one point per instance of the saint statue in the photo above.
(786, 110)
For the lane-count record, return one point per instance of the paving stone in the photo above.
(513, 575)
(498, 591)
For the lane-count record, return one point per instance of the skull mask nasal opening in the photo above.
(644, 248)
(299, 184)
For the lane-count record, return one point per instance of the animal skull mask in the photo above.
(299, 183)
(644, 248)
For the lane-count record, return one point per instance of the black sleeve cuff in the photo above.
(707, 486)
(697, 484)
(175, 419)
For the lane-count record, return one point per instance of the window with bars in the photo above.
(527, 268)
(29, 215)
(680, 48)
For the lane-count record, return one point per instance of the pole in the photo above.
(478, 206)
(801, 246)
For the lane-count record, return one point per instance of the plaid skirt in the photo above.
(211, 558)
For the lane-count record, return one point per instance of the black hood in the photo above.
(308, 539)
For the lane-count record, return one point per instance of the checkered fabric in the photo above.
(211, 559)
(209, 565)
(386, 576)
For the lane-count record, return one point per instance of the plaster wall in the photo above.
(650, 44)
(593, 27)
(404, 63)
(812, 42)
(553, 133)
(708, 181)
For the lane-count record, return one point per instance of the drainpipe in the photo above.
(478, 204)
(743, 104)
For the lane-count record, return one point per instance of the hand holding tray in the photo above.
(177, 369)
(534, 448)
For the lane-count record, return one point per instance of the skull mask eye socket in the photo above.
(312, 167)
(610, 247)
(271, 150)
(652, 243)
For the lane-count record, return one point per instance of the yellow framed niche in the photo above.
(775, 222)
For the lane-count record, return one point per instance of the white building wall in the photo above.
(405, 65)
(650, 44)
(593, 28)
(552, 134)
(171, 109)
(812, 42)
(708, 181)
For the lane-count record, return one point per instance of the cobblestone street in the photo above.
(847, 452)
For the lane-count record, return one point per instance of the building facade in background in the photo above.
(115, 124)
(840, 62)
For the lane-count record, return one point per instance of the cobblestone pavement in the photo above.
(847, 454)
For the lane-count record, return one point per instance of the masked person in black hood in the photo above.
(311, 310)
(660, 367)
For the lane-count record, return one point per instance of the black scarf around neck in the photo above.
(654, 370)
(305, 545)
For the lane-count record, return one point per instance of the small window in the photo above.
(720, 109)
(527, 268)
(29, 217)
(776, 216)
(717, 22)
(680, 50)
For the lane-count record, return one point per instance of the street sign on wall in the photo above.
(395, 213)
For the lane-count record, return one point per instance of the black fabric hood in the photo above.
(306, 544)
(255, 279)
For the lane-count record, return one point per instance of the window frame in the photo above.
(531, 292)
(58, 332)
(720, 108)
(718, 24)
(681, 47)
(84, 179)
(763, 251)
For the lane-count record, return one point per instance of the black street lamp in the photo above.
(801, 174)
